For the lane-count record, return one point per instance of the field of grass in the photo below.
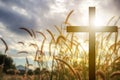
(68, 56)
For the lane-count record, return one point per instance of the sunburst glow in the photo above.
(98, 22)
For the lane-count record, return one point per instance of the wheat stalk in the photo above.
(34, 45)
(60, 37)
(6, 46)
(27, 30)
(116, 73)
(67, 18)
(36, 55)
(42, 41)
(101, 74)
(21, 42)
(50, 44)
(41, 34)
(117, 21)
(34, 35)
(22, 52)
(58, 29)
(51, 35)
(110, 20)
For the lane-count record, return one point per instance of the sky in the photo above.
(40, 15)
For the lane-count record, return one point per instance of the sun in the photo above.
(98, 22)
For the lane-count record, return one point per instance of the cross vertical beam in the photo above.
(91, 44)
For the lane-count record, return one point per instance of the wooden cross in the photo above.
(91, 29)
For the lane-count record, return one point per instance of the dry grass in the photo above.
(69, 57)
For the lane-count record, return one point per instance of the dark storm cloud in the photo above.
(39, 11)
(112, 6)
(11, 2)
(29, 4)
(117, 3)
(13, 20)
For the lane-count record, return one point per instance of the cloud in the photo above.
(116, 7)
(111, 6)
(40, 13)
(13, 20)
(17, 13)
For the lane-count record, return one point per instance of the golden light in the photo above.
(98, 22)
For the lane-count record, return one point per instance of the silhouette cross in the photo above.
(91, 29)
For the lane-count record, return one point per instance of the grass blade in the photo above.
(67, 18)
(6, 46)
(27, 31)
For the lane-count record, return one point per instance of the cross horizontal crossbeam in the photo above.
(87, 29)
